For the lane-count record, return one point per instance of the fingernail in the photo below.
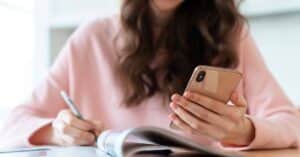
(170, 116)
(174, 106)
(186, 94)
(175, 97)
(174, 119)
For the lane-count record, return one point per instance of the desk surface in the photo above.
(273, 153)
(91, 152)
(266, 153)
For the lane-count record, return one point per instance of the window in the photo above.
(16, 53)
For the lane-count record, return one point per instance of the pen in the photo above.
(73, 108)
(71, 105)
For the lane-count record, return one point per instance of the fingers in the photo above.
(181, 124)
(189, 119)
(98, 127)
(198, 111)
(71, 131)
(208, 103)
(71, 135)
(238, 100)
(208, 131)
(72, 120)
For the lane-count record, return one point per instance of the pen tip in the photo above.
(63, 93)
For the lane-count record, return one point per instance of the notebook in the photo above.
(135, 142)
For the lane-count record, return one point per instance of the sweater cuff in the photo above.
(34, 126)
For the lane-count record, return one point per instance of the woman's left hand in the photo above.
(227, 123)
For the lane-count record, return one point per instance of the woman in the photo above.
(131, 71)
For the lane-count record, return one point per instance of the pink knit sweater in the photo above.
(85, 69)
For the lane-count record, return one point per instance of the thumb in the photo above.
(98, 126)
(238, 100)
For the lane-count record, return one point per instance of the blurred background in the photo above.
(32, 32)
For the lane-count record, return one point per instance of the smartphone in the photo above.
(213, 82)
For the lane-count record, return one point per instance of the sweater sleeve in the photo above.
(45, 103)
(275, 119)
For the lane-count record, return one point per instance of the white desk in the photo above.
(92, 152)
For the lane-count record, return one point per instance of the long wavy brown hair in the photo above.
(200, 32)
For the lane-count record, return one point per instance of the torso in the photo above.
(98, 89)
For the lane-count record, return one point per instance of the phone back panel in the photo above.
(217, 83)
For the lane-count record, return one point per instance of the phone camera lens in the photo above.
(201, 76)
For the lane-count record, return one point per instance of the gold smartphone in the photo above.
(216, 83)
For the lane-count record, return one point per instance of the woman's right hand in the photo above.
(68, 130)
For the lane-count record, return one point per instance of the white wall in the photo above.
(16, 53)
(278, 37)
(275, 26)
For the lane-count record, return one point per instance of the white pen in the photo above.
(71, 105)
(74, 109)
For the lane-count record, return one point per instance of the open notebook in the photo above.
(136, 142)
(150, 140)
